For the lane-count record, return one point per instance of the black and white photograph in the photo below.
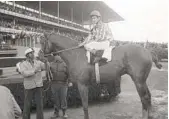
(84, 59)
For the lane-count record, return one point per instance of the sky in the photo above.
(144, 20)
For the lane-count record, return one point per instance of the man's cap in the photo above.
(29, 50)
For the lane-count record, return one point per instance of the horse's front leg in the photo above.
(83, 90)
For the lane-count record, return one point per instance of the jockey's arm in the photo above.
(86, 40)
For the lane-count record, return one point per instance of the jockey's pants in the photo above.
(97, 45)
(104, 45)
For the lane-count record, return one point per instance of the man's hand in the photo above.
(37, 70)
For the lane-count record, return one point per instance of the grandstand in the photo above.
(66, 18)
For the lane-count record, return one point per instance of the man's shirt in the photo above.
(32, 80)
(59, 71)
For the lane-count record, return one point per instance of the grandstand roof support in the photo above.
(14, 9)
(82, 16)
(13, 4)
(26, 42)
(72, 14)
(58, 12)
(40, 8)
(14, 21)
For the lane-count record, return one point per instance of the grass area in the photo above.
(157, 80)
(165, 65)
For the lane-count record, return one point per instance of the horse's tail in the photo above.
(155, 60)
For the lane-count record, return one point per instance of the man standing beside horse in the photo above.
(59, 85)
(99, 38)
(33, 83)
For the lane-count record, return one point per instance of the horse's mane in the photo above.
(65, 41)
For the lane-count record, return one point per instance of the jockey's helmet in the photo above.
(95, 13)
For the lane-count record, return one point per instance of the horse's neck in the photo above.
(75, 57)
(65, 42)
(72, 57)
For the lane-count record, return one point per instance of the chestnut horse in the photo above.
(133, 60)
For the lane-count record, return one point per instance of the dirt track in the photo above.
(127, 105)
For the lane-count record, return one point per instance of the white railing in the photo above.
(10, 30)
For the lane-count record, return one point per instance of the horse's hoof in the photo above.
(145, 114)
(151, 114)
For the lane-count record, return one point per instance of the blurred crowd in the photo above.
(17, 26)
(36, 15)
(36, 30)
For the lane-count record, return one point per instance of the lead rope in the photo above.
(49, 77)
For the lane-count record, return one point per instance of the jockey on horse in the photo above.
(99, 37)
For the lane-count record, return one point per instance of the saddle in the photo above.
(95, 58)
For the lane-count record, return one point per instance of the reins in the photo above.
(60, 51)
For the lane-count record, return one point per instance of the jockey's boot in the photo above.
(98, 56)
(96, 59)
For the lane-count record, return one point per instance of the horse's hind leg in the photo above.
(83, 90)
(139, 74)
(143, 91)
(145, 97)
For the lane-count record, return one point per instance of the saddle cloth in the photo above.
(106, 54)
